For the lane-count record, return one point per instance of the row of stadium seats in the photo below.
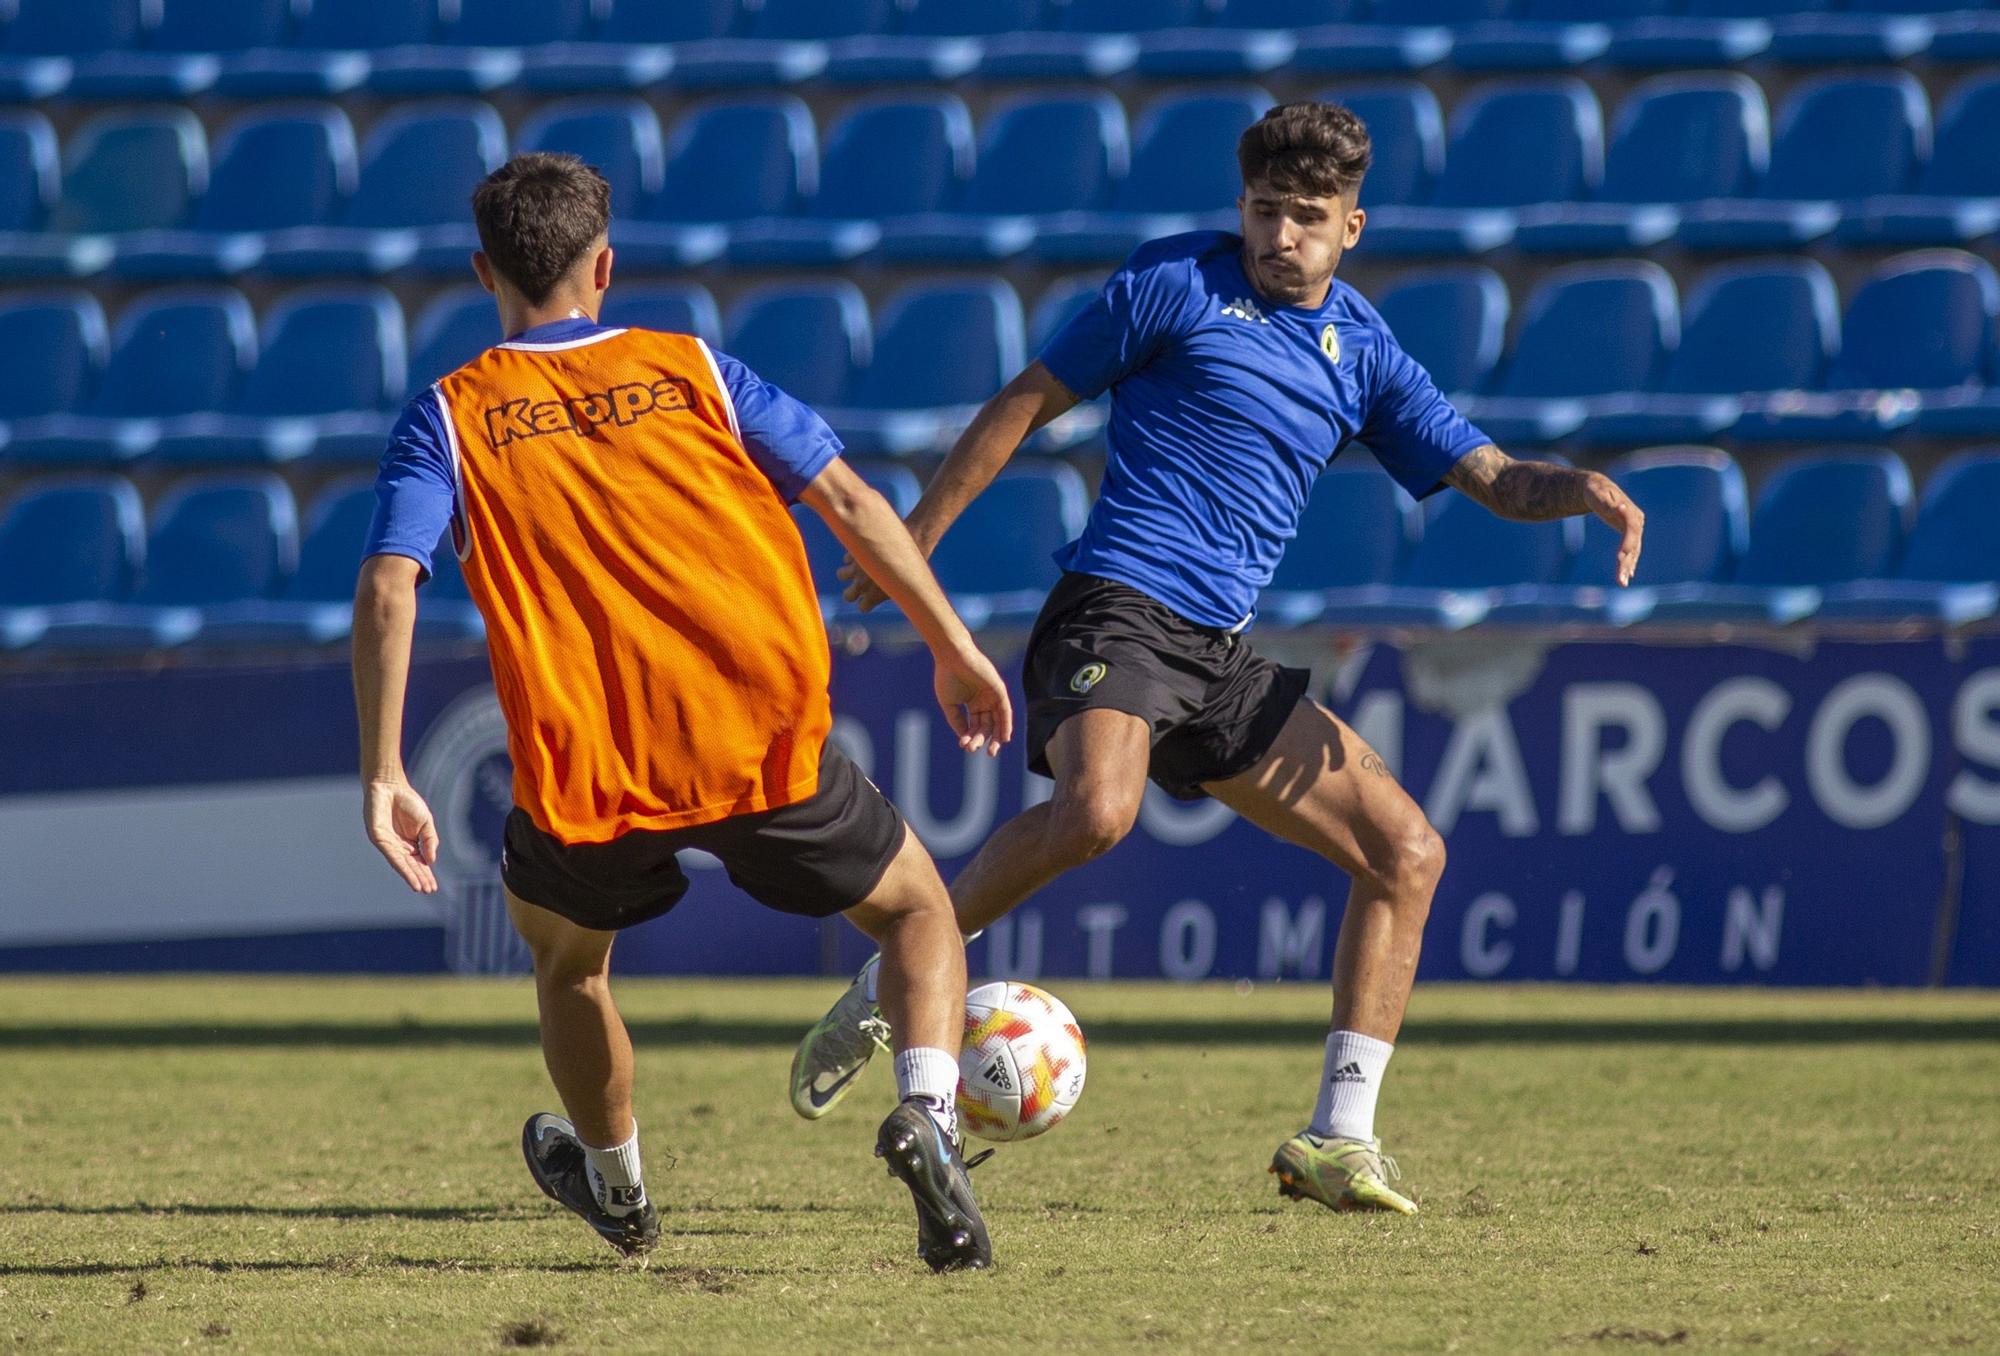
(1604, 355)
(180, 48)
(226, 563)
(1691, 158)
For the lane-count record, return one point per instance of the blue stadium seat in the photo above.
(1677, 138)
(726, 162)
(1038, 156)
(940, 349)
(419, 166)
(1327, 37)
(885, 157)
(1950, 570)
(637, 46)
(182, 58)
(807, 339)
(44, 37)
(479, 47)
(331, 51)
(1357, 530)
(55, 345)
(1867, 32)
(1701, 33)
(330, 366)
(1546, 34)
(1768, 325)
(316, 605)
(897, 484)
(1589, 331)
(122, 172)
(214, 540)
(458, 325)
(937, 40)
(680, 308)
(1511, 145)
(1697, 527)
(1406, 128)
(620, 137)
(1056, 308)
(786, 43)
(1448, 580)
(1453, 321)
(1821, 519)
(1839, 138)
(1183, 178)
(1250, 37)
(1922, 323)
(1965, 35)
(175, 351)
(30, 172)
(273, 171)
(1957, 199)
(1089, 40)
(65, 541)
(995, 562)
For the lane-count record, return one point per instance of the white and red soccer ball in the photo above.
(1021, 1067)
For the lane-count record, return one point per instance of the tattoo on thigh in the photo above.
(1374, 764)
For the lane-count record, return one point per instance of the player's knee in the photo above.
(1090, 826)
(1420, 857)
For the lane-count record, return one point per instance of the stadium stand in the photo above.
(70, 540)
(1585, 220)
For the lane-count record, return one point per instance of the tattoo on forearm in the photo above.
(1530, 491)
(1373, 763)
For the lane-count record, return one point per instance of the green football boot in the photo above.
(838, 1048)
(1341, 1174)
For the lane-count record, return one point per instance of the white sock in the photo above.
(932, 1074)
(1349, 1085)
(614, 1175)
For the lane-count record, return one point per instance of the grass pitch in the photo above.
(224, 1164)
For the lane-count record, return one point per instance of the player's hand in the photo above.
(1622, 516)
(402, 830)
(975, 701)
(862, 591)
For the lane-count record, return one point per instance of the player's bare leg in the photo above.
(922, 993)
(1099, 758)
(1321, 787)
(590, 1162)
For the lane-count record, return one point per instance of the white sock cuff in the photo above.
(619, 1164)
(1357, 1046)
(926, 1071)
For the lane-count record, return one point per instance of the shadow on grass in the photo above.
(456, 1214)
(223, 1266)
(1915, 1030)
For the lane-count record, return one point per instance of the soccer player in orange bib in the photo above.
(618, 500)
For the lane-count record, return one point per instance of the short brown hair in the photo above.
(1308, 150)
(537, 215)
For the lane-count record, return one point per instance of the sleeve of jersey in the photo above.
(1411, 428)
(415, 485)
(1119, 330)
(788, 441)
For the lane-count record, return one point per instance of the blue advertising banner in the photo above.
(1821, 813)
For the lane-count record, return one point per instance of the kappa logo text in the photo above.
(621, 405)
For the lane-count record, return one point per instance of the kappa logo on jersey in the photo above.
(1088, 677)
(621, 405)
(1243, 308)
(1329, 344)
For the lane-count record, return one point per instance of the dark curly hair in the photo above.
(1310, 150)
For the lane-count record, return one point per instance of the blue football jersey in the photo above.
(1225, 407)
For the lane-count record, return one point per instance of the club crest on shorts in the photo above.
(1329, 343)
(1088, 677)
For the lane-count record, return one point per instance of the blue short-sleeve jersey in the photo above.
(1225, 407)
(416, 486)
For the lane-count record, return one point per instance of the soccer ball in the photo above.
(1020, 1070)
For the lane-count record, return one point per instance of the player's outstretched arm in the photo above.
(1535, 491)
(1003, 423)
(969, 688)
(399, 824)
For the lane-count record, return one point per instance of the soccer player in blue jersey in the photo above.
(1238, 368)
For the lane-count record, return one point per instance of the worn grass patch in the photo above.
(244, 1165)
